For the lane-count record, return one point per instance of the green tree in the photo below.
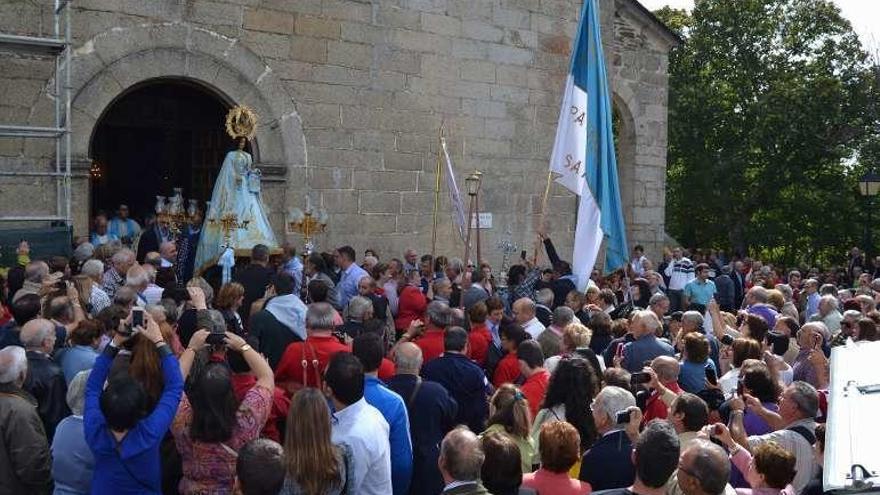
(769, 104)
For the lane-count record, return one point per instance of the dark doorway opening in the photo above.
(159, 135)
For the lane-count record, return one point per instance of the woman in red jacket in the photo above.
(411, 303)
(479, 337)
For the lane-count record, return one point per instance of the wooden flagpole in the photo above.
(438, 173)
(543, 211)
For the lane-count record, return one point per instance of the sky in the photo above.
(863, 14)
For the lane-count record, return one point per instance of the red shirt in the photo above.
(411, 305)
(316, 347)
(534, 388)
(386, 369)
(242, 382)
(479, 339)
(656, 408)
(431, 344)
(507, 370)
(544, 481)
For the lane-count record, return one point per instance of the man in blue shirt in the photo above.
(349, 277)
(646, 345)
(699, 291)
(369, 349)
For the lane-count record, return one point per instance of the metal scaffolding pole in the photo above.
(59, 47)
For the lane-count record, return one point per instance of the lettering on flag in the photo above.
(570, 147)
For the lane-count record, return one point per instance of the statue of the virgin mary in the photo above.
(235, 218)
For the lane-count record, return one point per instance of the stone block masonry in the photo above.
(352, 94)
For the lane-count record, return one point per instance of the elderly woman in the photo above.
(560, 450)
(72, 460)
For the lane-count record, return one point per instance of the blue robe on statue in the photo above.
(235, 191)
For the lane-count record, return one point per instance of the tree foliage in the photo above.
(770, 104)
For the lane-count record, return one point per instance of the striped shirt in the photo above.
(680, 272)
(794, 442)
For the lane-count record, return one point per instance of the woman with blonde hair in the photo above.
(315, 466)
(509, 414)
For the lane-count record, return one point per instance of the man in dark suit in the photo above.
(461, 460)
(608, 463)
(739, 284)
(151, 238)
(432, 414)
(255, 278)
(462, 378)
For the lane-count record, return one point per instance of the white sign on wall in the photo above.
(485, 221)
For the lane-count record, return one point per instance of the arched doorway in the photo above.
(158, 135)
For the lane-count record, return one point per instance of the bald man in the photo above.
(704, 469)
(168, 251)
(432, 413)
(45, 379)
(524, 312)
(664, 388)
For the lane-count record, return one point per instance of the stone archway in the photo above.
(105, 66)
(625, 139)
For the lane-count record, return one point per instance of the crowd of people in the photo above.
(333, 373)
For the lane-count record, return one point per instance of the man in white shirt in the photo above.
(797, 411)
(680, 271)
(358, 425)
(524, 313)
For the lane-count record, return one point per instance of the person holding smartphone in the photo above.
(811, 338)
(123, 434)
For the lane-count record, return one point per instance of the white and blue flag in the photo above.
(583, 153)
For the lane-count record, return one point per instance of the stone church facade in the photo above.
(351, 94)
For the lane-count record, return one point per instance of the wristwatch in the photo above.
(245, 348)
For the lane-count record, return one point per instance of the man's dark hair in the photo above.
(26, 308)
(369, 349)
(515, 275)
(561, 267)
(260, 467)
(57, 263)
(348, 252)
(494, 303)
(283, 283)
(318, 261)
(695, 410)
(123, 402)
(318, 291)
(455, 339)
(639, 248)
(502, 469)
(345, 377)
(260, 253)
(513, 332)
(657, 450)
(530, 352)
(710, 467)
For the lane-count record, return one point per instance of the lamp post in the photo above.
(869, 186)
(472, 182)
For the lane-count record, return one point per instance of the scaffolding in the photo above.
(59, 47)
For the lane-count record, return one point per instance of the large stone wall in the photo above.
(352, 94)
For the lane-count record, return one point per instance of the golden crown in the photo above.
(241, 122)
